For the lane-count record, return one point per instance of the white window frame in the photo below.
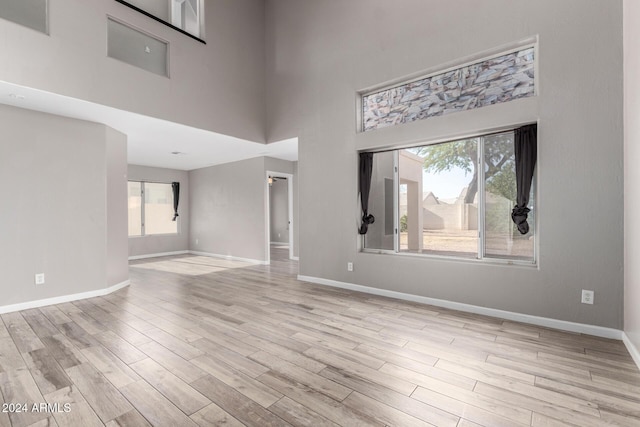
(481, 212)
(143, 230)
(175, 5)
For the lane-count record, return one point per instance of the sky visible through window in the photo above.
(444, 185)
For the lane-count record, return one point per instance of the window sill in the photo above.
(483, 261)
(155, 235)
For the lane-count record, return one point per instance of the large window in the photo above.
(450, 199)
(151, 209)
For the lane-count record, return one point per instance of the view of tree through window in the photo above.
(450, 214)
(453, 199)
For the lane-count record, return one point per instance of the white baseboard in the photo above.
(633, 350)
(230, 258)
(61, 299)
(134, 257)
(563, 325)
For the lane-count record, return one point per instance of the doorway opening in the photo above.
(279, 210)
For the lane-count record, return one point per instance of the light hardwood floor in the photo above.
(200, 341)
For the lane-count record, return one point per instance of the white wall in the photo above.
(218, 86)
(631, 171)
(321, 53)
(54, 217)
(150, 245)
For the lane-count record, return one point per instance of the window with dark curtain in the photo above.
(525, 148)
(364, 180)
(175, 186)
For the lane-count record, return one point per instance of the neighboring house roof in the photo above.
(430, 199)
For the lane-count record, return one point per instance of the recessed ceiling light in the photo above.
(16, 96)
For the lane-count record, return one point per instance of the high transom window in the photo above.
(495, 80)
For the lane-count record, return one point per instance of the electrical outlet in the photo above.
(39, 279)
(587, 297)
(349, 266)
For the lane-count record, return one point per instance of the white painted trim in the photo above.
(295, 258)
(267, 219)
(229, 257)
(267, 212)
(62, 299)
(290, 211)
(134, 257)
(563, 325)
(487, 55)
(633, 350)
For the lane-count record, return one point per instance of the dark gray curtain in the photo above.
(175, 186)
(364, 180)
(525, 148)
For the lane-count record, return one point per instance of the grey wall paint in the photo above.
(218, 86)
(631, 171)
(158, 8)
(54, 217)
(137, 48)
(149, 245)
(117, 220)
(320, 53)
(228, 205)
(228, 209)
(30, 13)
(279, 211)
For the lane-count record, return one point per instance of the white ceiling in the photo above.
(151, 141)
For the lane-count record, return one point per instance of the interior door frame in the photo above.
(267, 216)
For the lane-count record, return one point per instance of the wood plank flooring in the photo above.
(198, 341)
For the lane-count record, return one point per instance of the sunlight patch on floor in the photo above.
(190, 265)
